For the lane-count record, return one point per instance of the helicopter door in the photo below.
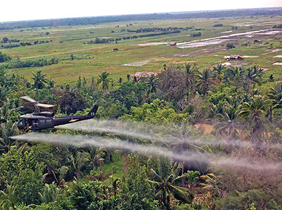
(35, 123)
(45, 123)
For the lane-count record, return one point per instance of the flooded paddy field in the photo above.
(226, 38)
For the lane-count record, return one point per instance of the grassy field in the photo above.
(91, 59)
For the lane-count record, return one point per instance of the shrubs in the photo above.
(29, 63)
(195, 34)
(218, 25)
(4, 57)
(230, 45)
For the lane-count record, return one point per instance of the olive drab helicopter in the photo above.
(43, 120)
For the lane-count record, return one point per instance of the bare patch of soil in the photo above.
(180, 62)
(153, 44)
(237, 63)
(204, 43)
(138, 63)
(250, 56)
(277, 64)
(204, 51)
(205, 127)
(265, 69)
(162, 59)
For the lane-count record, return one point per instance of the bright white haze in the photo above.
(15, 10)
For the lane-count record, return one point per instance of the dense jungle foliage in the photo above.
(182, 97)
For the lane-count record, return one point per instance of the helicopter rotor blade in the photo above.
(27, 98)
(44, 105)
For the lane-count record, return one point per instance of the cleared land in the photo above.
(149, 53)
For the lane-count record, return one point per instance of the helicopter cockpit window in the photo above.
(41, 122)
(48, 122)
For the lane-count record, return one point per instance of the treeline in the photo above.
(99, 41)
(277, 26)
(11, 40)
(16, 45)
(156, 29)
(122, 18)
(9, 45)
(29, 63)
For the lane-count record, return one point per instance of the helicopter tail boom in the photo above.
(93, 110)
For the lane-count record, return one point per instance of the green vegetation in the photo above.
(183, 128)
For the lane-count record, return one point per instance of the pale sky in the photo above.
(14, 10)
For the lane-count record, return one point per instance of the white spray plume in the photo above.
(151, 132)
(82, 141)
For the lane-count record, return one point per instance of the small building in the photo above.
(172, 44)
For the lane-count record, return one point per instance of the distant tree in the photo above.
(104, 80)
(254, 75)
(128, 77)
(69, 102)
(254, 114)
(218, 25)
(47, 33)
(173, 83)
(228, 123)
(205, 80)
(79, 82)
(230, 45)
(39, 80)
(5, 39)
(218, 71)
(275, 95)
(165, 180)
(151, 83)
(191, 72)
(4, 57)
(119, 80)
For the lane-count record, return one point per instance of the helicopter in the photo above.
(43, 120)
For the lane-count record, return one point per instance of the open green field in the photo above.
(147, 54)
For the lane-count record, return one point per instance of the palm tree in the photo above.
(228, 119)
(128, 77)
(7, 129)
(191, 72)
(218, 71)
(236, 75)
(39, 80)
(275, 95)
(104, 80)
(151, 83)
(166, 179)
(8, 110)
(253, 113)
(10, 198)
(49, 193)
(254, 75)
(119, 80)
(79, 162)
(205, 80)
